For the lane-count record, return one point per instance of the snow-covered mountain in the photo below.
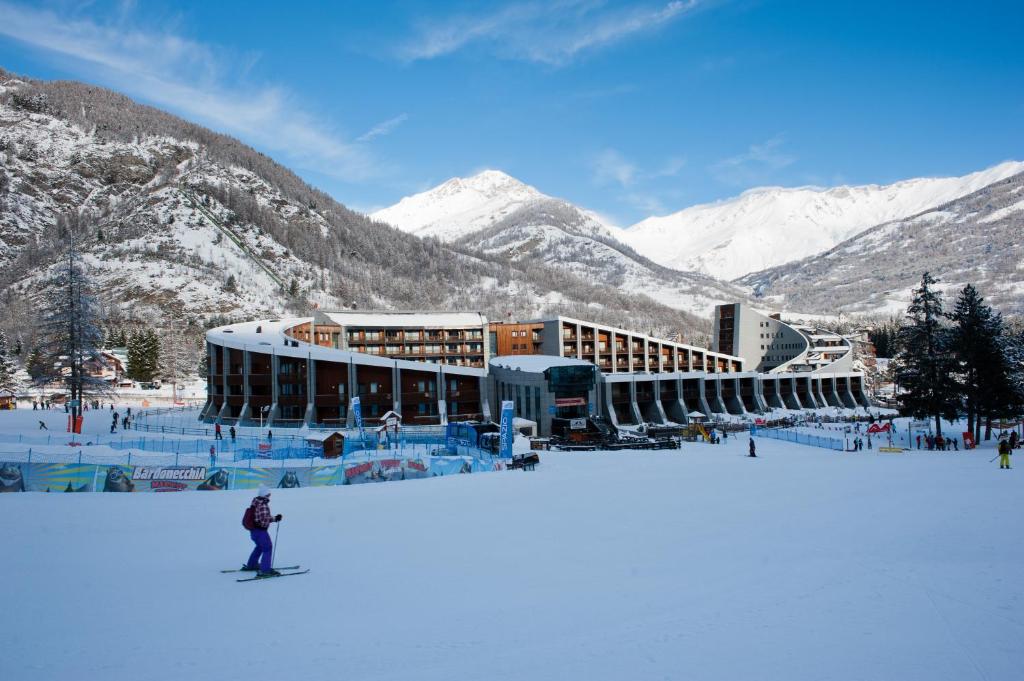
(976, 239)
(460, 206)
(496, 214)
(771, 226)
(179, 223)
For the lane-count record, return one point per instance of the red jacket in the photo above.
(261, 512)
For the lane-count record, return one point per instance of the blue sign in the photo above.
(590, 407)
(551, 410)
(357, 413)
(506, 434)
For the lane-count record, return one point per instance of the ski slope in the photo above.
(699, 564)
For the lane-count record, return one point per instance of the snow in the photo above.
(702, 563)
(536, 363)
(997, 215)
(771, 226)
(460, 206)
(408, 319)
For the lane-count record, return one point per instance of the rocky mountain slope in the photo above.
(977, 239)
(496, 214)
(771, 226)
(178, 222)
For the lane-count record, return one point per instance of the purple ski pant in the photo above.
(263, 551)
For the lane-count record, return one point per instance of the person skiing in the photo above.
(217, 435)
(257, 520)
(753, 449)
(42, 426)
(1004, 453)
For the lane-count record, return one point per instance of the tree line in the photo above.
(968, 360)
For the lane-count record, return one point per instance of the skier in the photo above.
(1013, 440)
(217, 435)
(270, 435)
(1004, 453)
(231, 430)
(919, 441)
(213, 457)
(257, 520)
(42, 426)
(753, 449)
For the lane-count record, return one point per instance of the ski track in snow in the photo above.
(696, 564)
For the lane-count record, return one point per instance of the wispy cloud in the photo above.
(756, 165)
(611, 167)
(552, 33)
(383, 128)
(191, 78)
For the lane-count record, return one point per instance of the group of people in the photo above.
(939, 443)
(858, 443)
(218, 435)
(125, 422)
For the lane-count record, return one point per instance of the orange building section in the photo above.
(326, 334)
(513, 338)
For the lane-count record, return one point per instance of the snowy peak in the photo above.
(770, 226)
(460, 206)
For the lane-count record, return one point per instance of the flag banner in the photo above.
(506, 434)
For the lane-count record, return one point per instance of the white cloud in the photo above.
(552, 33)
(610, 167)
(756, 165)
(383, 128)
(191, 78)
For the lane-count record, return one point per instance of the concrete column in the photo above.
(246, 388)
(485, 405)
(442, 395)
(633, 406)
(396, 388)
(609, 407)
(310, 416)
(657, 400)
(275, 389)
(224, 369)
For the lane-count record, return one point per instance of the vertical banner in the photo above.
(506, 435)
(357, 414)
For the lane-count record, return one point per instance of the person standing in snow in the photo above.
(260, 520)
(1004, 453)
(217, 435)
(753, 449)
(231, 430)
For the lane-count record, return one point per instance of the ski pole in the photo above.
(273, 549)
(993, 458)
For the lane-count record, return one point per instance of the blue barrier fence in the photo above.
(799, 438)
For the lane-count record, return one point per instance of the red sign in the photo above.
(875, 428)
(570, 401)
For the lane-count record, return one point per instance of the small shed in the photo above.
(8, 400)
(333, 442)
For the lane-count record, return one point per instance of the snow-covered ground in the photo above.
(699, 563)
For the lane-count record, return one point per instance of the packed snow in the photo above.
(699, 563)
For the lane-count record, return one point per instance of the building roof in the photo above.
(427, 320)
(536, 363)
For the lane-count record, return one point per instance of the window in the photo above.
(374, 388)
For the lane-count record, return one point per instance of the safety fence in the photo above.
(163, 476)
(799, 438)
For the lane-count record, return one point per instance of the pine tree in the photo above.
(230, 285)
(975, 340)
(70, 331)
(8, 368)
(925, 365)
(143, 355)
(34, 364)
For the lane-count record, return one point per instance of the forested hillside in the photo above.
(180, 223)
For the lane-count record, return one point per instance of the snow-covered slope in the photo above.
(460, 206)
(977, 239)
(771, 226)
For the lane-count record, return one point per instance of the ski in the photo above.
(286, 567)
(283, 574)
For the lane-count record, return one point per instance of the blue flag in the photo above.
(357, 414)
(506, 434)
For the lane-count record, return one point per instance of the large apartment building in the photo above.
(769, 344)
(454, 338)
(611, 349)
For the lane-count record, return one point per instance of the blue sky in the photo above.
(629, 109)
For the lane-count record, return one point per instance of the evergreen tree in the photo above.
(143, 355)
(975, 340)
(230, 285)
(8, 368)
(34, 364)
(925, 365)
(70, 331)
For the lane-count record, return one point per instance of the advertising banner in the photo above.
(61, 477)
(506, 434)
